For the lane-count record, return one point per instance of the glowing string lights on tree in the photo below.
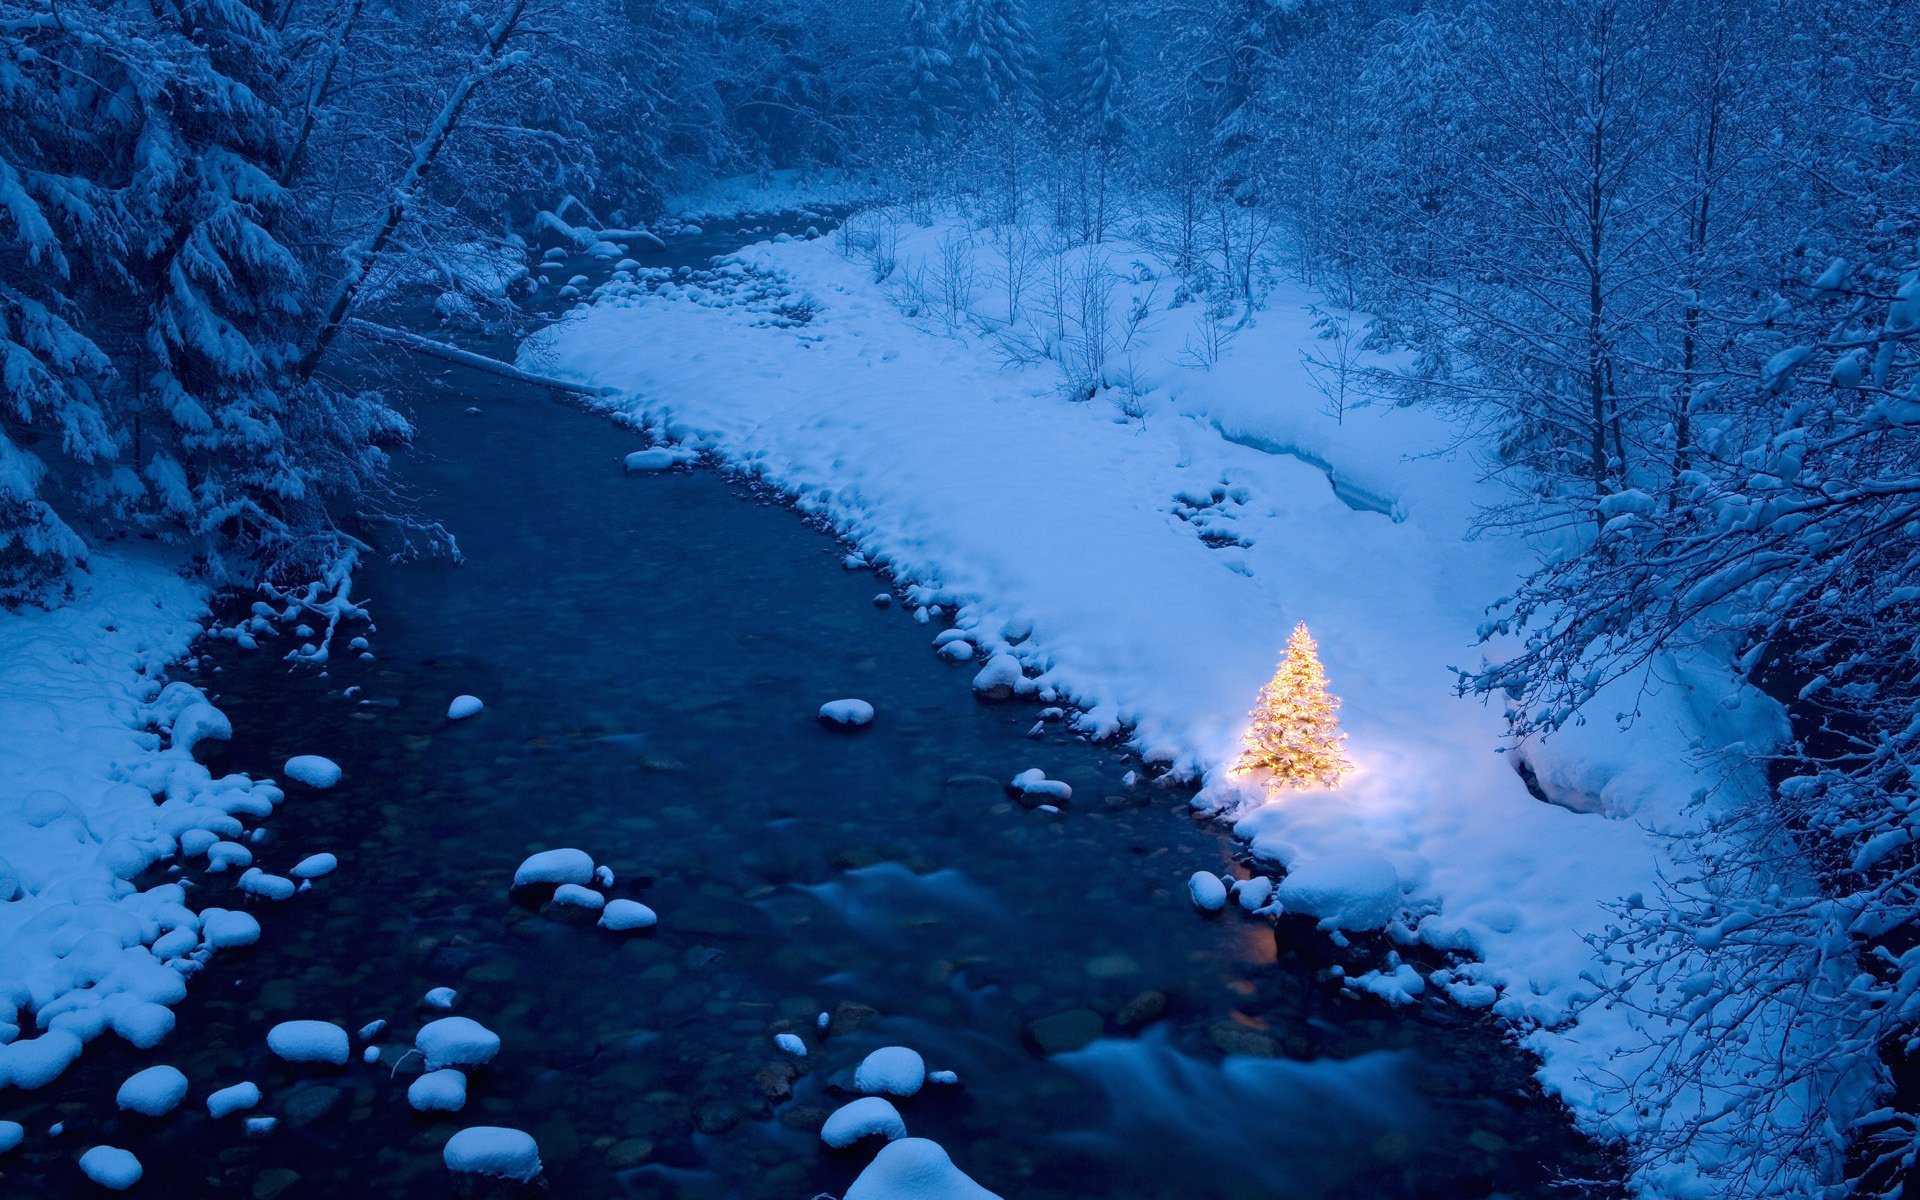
(1294, 733)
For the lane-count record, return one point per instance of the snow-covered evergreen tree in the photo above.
(927, 77)
(993, 54)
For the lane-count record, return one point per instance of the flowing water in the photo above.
(652, 650)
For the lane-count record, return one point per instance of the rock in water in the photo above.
(12, 1133)
(891, 1071)
(867, 1117)
(1346, 891)
(555, 866)
(621, 916)
(444, 1090)
(915, 1169)
(154, 1092)
(1209, 894)
(111, 1167)
(1033, 786)
(846, 714)
(493, 1150)
(309, 1042)
(660, 458)
(457, 1042)
(313, 770)
(463, 707)
(229, 1100)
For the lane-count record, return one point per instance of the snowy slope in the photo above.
(1070, 537)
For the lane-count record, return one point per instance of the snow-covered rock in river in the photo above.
(256, 882)
(1209, 894)
(111, 1167)
(222, 928)
(154, 1092)
(309, 1042)
(464, 706)
(846, 714)
(199, 723)
(1001, 679)
(565, 865)
(791, 1044)
(493, 1150)
(444, 1090)
(440, 997)
(867, 1117)
(457, 1042)
(621, 916)
(12, 1133)
(229, 1100)
(915, 1169)
(313, 770)
(313, 866)
(1346, 891)
(1033, 784)
(660, 458)
(573, 895)
(891, 1071)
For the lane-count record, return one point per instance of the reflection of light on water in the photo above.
(1282, 1124)
(884, 900)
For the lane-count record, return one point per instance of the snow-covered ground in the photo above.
(98, 783)
(1143, 555)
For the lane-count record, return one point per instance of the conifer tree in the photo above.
(928, 67)
(1295, 734)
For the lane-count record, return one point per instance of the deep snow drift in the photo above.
(1143, 555)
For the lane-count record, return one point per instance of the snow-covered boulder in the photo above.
(313, 770)
(565, 865)
(457, 1042)
(313, 866)
(660, 458)
(915, 1169)
(622, 916)
(1346, 891)
(464, 706)
(12, 1133)
(36, 1062)
(154, 1092)
(223, 928)
(1032, 785)
(573, 895)
(111, 1167)
(867, 1117)
(309, 1042)
(444, 1090)
(1208, 893)
(846, 714)
(493, 1150)
(229, 1100)
(790, 1043)
(441, 998)
(1000, 679)
(891, 1071)
(200, 724)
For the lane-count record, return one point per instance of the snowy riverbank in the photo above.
(98, 783)
(1143, 555)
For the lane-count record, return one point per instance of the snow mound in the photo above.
(846, 714)
(313, 866)
(660, 458)
(154, 1092)
(915, 1169)
(1208, 893)
(869, 1116)
(493, 1150)
(444, 1090)
(1033, 784)
(12, 1133)
(111, 1167)
(457, 1042)
(790, 1043)
(223, 928)
(620, 916)
(1346, 891)
(573, 895)
(229, 1100)
(565, 865)
(312, 770)
(309, 1042)
(440, 997)
(891, 1071)
(464, 706)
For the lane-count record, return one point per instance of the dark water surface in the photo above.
(652, 650)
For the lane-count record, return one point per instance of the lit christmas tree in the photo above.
(1295, 733)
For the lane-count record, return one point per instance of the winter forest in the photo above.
(380, 381)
